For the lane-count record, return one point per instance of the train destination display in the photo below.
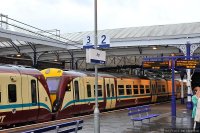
(187, 64)
(155, 64)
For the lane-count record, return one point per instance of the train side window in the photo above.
(99, 90)
(147, 89)
(33, 91)
(76, 86)
(141, 89)
(89, 90)
(135, 89)
(159, 88)
(112, 89)
(121, 89)
(108, 90)
(154, 88)
(12, 93)
(163, 88)
(128, 90)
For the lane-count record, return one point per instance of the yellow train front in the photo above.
(72, 92)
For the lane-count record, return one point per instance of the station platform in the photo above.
(118, 121)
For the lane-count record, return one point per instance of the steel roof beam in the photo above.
(27, 49)
(15, 46)
(115, 53)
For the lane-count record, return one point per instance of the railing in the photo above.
(67, 127)
(17, 26)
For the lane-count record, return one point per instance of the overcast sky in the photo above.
(77, 15)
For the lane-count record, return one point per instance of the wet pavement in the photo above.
(119, 122)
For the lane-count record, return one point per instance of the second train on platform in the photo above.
(73, 92)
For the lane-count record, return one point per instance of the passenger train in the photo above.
(73, 92)
(28, 95)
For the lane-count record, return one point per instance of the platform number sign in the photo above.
(103, 41)
(88, 42)
(103, 37)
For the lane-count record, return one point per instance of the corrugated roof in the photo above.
(142, 32)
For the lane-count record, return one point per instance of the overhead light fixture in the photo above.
(172, 54)
(55, 60)
(18, 55)
(154, 48)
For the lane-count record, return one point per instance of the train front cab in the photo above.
(81, 98)
(21, 100)
(75, 92)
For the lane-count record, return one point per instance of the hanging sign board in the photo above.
(95, 56)
(155, 64)
(187, 64)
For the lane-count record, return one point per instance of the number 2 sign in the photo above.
(103, 41)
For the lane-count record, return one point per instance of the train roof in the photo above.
(78, 73)
(100, 74)
(19, 69)
(85, 73)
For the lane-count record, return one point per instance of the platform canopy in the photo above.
(145, 40)
(147, 35)
(17, 37)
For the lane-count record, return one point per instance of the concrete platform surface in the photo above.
(119, 122)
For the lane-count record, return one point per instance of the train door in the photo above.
(110, 93)
(76, 88)
(33, 97)
(153, 90)
(169, 88)
(89, 93)
(80, 91)
(26, 92)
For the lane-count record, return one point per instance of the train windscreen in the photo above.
(53, 84)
